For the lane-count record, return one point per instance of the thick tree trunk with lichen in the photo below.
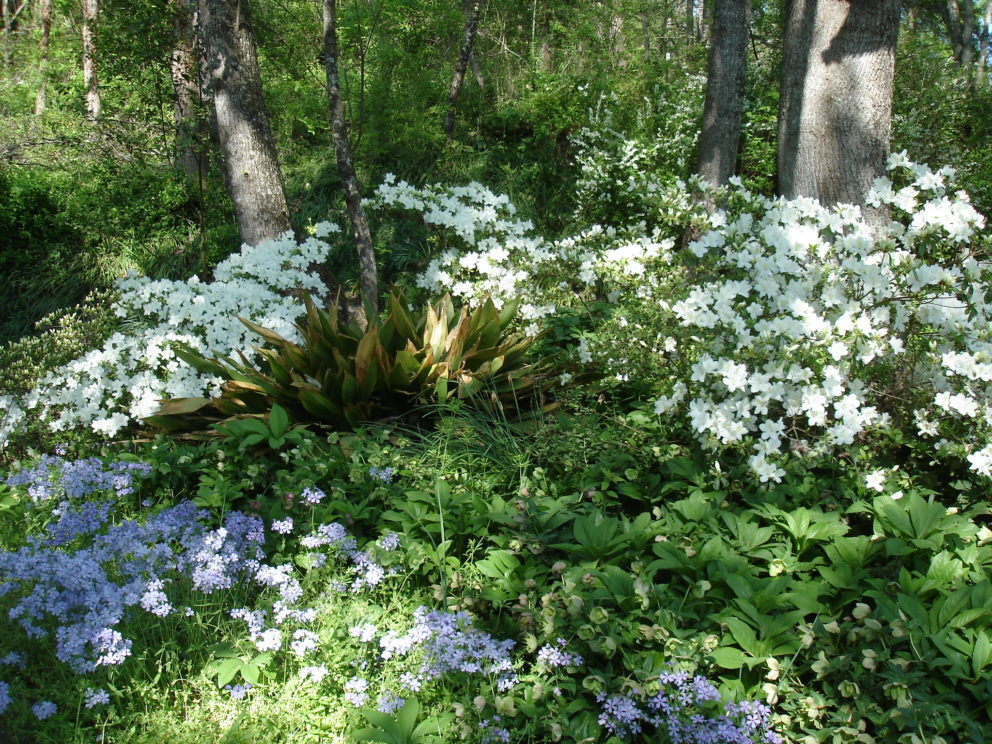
(471, 26)
(836, 97)
(720, 135)
(247, 148)
(189, 155)
(369, 279)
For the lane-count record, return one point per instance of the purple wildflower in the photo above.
(283, 527)
(93, 698)
(389, 702)
(355, 691)
(44, 709)
(303, 642)
(383, 474)
(238, 691)
(555, 656)
(312, 496)
(389, 542)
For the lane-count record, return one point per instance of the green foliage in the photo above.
(341, 376)
(403, 727)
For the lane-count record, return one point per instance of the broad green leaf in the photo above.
(728, 657)
(278, 420)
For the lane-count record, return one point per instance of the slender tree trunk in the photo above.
(369, 279)
(45, 21)
(547, 56)
(967, 31)
(186, 92)
(645, 36)
(983, 46)
(471, 26)
(90, 79)
(10, 10)
(251, 167)
(720, 136)
(836, 97)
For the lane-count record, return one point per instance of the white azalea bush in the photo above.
(124, 380)
(784, 329)
(808, 330)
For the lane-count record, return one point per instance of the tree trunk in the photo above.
(369, 279)
(90, 81)
(967, 30)
(547, 56)
(836, 97)
(250, 165)
(186, 92)
(471, 26)
(720, 136)
(9, 11)
(983, 46)
(645, 36)
(45, 20)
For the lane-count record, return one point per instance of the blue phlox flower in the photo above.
(314, 674)
(389, 542)
(5, 698)
(304, 641)
(282, 526)
(383, 474)
(93, 698)
(237, 692)
(389, 702)
(312, 496)
(44, 709)
(355, 691)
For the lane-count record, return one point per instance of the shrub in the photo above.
(340, 375)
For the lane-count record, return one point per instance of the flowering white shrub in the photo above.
(491, 253)
(124, 380)
(807, 329)
(785, 328)
(625, 166)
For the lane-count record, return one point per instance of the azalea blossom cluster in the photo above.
(492, 254)
(809, 326)
(109, 387)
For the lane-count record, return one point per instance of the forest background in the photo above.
(614, 572)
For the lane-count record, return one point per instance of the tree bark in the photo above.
(369, 280)
(9, 12)
(836, 97)
(244, 135)
(91, 82)
(983, 46)
(471, 26)
(720, 136)
(45, 21)
(186, 92)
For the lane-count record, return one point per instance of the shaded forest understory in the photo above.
(424, 371)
